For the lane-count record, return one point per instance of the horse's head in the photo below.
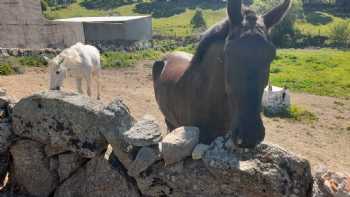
(248, 55)
(57, 72)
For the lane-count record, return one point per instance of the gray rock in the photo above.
(123, 121)
(144, 159)
(179, 144)
(52, 151)
(6, 104)
(266, 171)
(31, 169)
(6, 137)
(12, 194)
(70, 122)
(219, 156)
(68, 164)
(199, 151)
(330, 184)
(4, 165)
(99, 177)
(2, 92)
(145, 132)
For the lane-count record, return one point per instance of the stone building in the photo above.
(22, 25)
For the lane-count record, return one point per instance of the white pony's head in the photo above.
(59, 66)
(57, 72)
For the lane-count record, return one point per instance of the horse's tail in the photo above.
(157, 69)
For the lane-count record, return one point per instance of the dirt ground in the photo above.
(326, 141)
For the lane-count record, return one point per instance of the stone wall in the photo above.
(23, 26)
(66, 145)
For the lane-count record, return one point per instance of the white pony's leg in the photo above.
(79, 85)
(97, 78)
(88, 83)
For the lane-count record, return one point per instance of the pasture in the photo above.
(323, 140)
(319, 79)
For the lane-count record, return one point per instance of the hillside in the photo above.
(321, 72)
(175, 22)
(173, 19)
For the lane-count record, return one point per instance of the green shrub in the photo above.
(6, 68)
(340, 34)
(275, 70)
(283, 34)
(123, 59)
(198, 21)
(300, 114)
(32, 61)
(44, 5)
(295, 113)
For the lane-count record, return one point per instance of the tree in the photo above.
(340, 34)
(284, 33)
(198, 21)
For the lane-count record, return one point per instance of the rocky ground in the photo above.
(326, 141)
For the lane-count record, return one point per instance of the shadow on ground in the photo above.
(318, 18)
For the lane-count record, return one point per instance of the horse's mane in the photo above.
(215, 33)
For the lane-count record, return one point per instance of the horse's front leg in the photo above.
(97, 78)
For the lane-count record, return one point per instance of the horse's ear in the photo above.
(275, 15)
(234, 11)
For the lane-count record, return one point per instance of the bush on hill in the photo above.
(340, 34)
(198, 21)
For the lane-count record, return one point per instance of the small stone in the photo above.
(179, 144)
(329, 183)
(5, 101)
(3, 92)
(145, 132)
(199, 151)
(144, 158)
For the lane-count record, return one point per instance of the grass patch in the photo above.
(6, 68)
(32, 61)
(17, 65)
(323, 72)
(175, 25)
(295, 113)
(300, 114)
(124, 59)
(318, 23)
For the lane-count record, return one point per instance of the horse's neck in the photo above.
(210, 70)
(211, 37)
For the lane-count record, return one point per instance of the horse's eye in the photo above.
(57, 72)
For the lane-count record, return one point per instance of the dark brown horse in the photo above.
(219, 89)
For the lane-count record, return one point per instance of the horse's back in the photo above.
(175, 65)
(90, 55)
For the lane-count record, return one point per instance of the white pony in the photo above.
(79, 61)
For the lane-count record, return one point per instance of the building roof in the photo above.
(102, 19)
